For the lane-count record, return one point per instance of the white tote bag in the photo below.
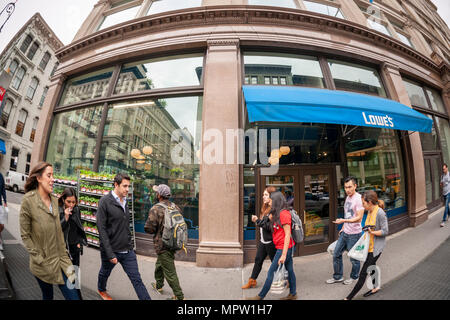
(361, 248)
(3, 215)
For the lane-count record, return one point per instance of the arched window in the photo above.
(45, 60)
(26, 43)
(17, 81)
(6, 112)
(21, 122)
(34, 48)
(32, 88)
(13, 67)
(33, 130)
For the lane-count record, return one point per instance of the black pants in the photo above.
(370, 261)
(262, 251)
(75, 254)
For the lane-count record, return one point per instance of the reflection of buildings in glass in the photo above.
(377, 165)
(133, 79)
(87, 88)
(78, 126)
(269, 74)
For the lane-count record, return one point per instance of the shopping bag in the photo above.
(331, 247)
(280, 280)
(3, 215)
(361, 248)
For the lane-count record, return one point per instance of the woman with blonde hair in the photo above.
(265, 246)
(41, 232)
(377, 219)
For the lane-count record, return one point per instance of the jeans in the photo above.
(130, 266)
(262, 251)
(345, 242)
(165, 269)
(47, 290)
(289, 265)
(447, 201)
(370, 261)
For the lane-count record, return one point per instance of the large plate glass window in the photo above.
(166, 72)
(416, 94)
(86, 87)
(323, 9)
(444, 133)
(283, 69)
(156, 141)
(73, 140)
(119, 17)
(374, 157)
(356, 78)
(159, 6)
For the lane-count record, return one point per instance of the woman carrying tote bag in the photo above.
(377, 217)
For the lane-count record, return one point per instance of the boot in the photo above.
(289, 297)
(250, 284)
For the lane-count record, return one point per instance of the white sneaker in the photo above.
(348, 281)
(442, 224)
(332, 280)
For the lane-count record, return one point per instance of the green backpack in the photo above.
(175, 234)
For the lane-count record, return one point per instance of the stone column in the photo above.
(43, 129)
(220, 243)
(414, 165)
(352, 12)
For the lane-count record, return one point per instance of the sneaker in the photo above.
(442, 224)
(104, 295)
(158, 290)
(332, 280)
(348, 281)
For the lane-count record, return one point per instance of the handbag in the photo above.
(280, 280)
(361, 248)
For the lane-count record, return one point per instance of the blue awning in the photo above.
(298, 104)
(2, 147)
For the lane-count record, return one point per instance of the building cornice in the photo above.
(235, 15)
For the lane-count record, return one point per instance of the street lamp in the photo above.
(8, 11)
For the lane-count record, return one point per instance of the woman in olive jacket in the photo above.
(71, 225)
(41, 233)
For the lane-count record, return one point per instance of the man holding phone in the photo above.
(116, 246)
(349, 234)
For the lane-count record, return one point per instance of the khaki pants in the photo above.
(165, 268)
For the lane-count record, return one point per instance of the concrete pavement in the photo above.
(403, 252)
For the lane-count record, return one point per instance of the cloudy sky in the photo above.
(66, 16)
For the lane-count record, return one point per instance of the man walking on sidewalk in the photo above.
(3, 208)
(445, 184)
(349, 234)
(165, 264)
(116, 246)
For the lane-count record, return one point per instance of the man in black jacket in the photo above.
(116, 243)
(3, 208)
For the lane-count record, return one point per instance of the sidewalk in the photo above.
(403, 251)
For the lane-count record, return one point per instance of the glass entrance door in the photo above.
(432, 179)
(311, 192)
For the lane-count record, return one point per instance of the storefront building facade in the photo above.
(138, 75)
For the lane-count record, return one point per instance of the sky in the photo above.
(66, 16)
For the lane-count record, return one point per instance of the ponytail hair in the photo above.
(32, 182)
(381, 204)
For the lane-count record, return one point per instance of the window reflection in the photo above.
(444, 133)
(119, 17)
(86, 87)
(356, 78)
(159, 6)
(416, 94)
(175, 71)
(249, 204)
(374, 157)
(284, 69)
(73, 140)
(436, 100)
(147, 126)
(324, 9)
(378, 27)
(430, 140)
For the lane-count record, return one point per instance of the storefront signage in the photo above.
(2, 94)
(385, 121)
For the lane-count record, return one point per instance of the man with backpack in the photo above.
(166, 222)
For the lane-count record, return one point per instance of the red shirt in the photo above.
(278, 232)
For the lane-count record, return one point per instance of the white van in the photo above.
(15, 181)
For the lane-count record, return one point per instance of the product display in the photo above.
(90, 187)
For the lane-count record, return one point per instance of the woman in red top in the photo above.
(281, 234)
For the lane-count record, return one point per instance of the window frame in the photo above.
(25, 49)
(21, 128)
(13, 82)
(44, 61)
(7, 114)
(33, 50)
(32, 89)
